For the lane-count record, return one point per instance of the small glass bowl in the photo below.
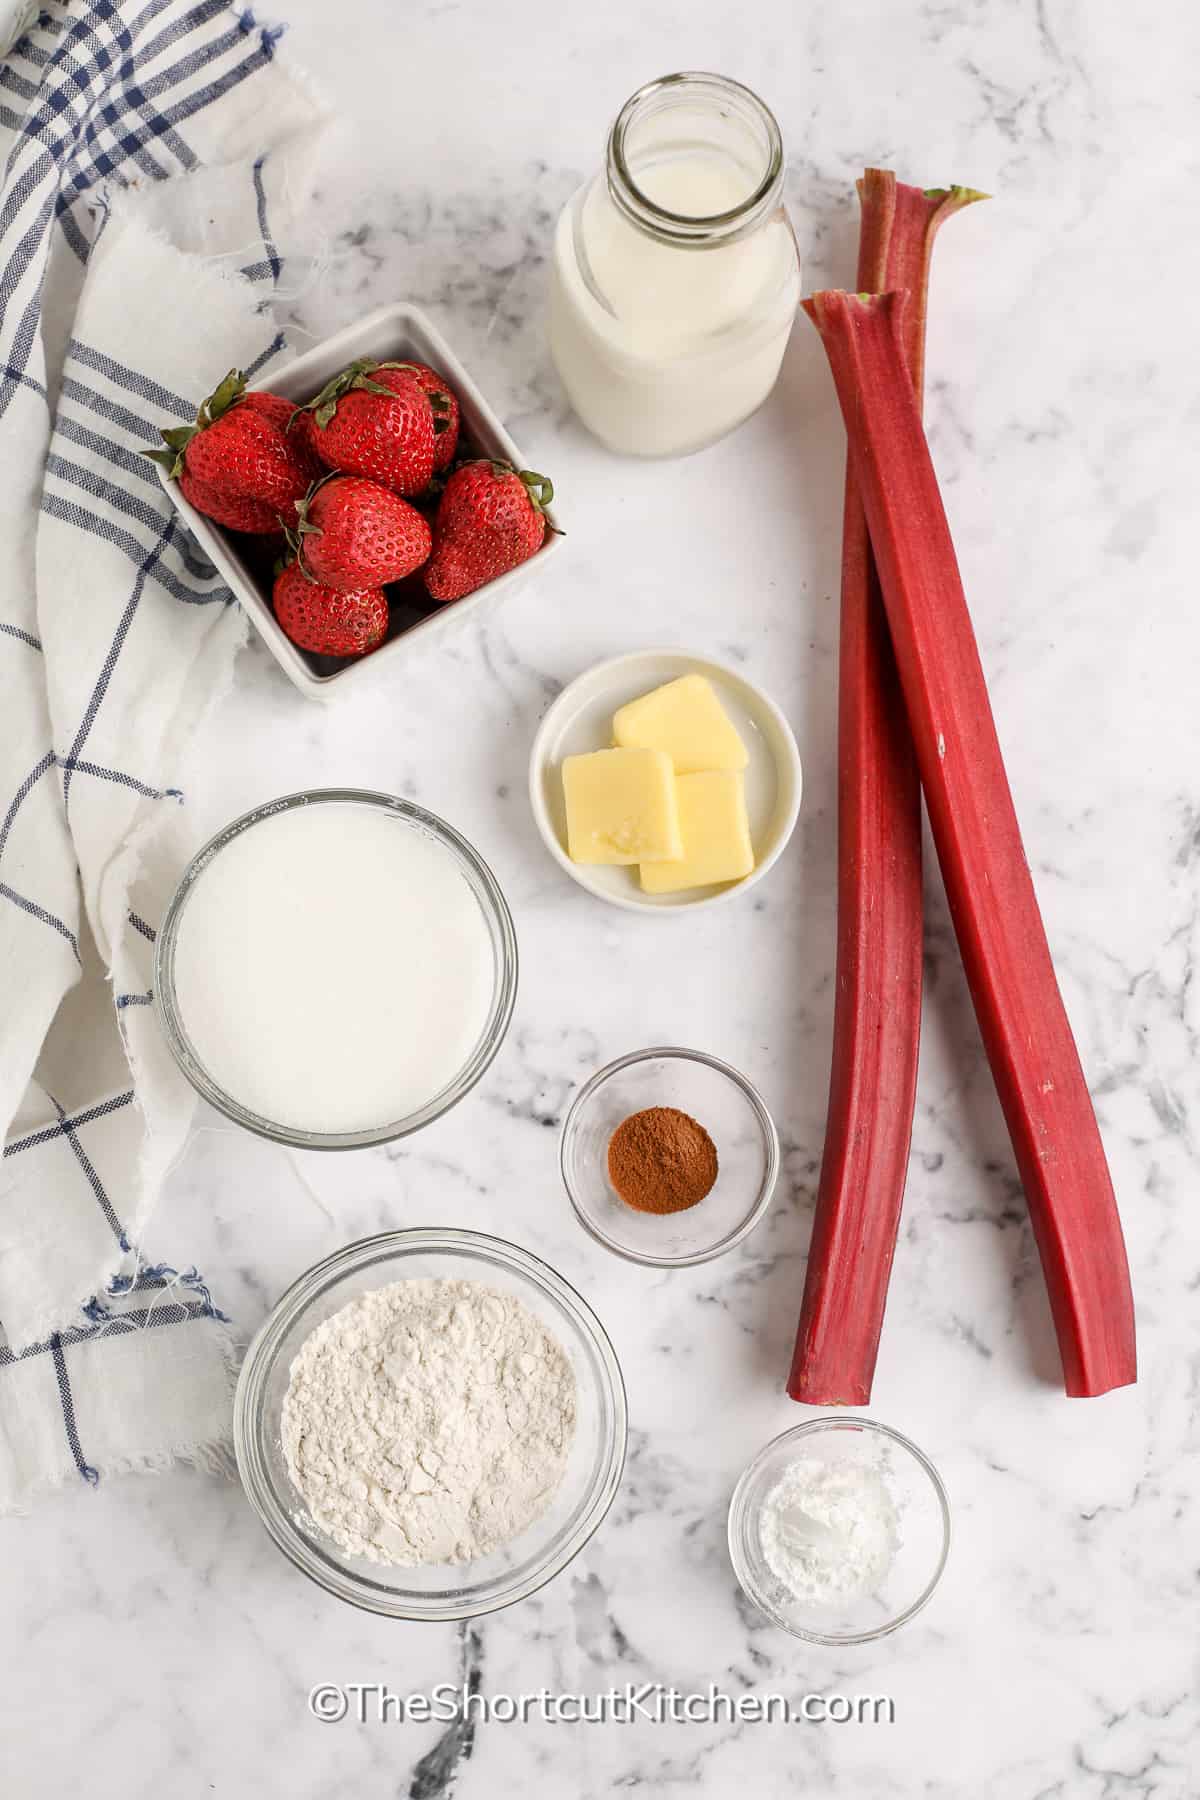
(717, 1097)
(923, 1512)
(492, 905)
(443, 1591)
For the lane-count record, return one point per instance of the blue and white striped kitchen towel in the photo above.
(154, 153)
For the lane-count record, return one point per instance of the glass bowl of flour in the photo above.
(431, 1424)
(839, 1530)
(336, 969)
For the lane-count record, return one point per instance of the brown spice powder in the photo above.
(661, 1161)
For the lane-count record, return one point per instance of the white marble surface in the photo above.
(154, 1640)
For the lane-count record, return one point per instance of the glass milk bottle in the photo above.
(675, 274)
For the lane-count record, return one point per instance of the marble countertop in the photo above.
(157, 1643)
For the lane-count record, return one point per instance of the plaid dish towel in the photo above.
(154, 151)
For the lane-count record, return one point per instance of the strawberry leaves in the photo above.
(296, 534)
(358, 375)
(227, 394)
(539, 488)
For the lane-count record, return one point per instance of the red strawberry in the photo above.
(354, 534)
(271, 406)
(239, 452)
(233, 511)
(303, 428)
(284, 414)
(446, 417)
(329, 621)
(489, 519)
(375, 419)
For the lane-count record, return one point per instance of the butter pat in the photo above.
(716, 834)
(621, 807)
(685, 719)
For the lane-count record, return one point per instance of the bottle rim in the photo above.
(687, 230)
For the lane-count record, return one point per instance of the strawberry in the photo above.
(353, 534)
(489, 519)
(376, 419)
(245, 470)
(446, 416)
(303, 428)
(233, 511)
(329, 621)
(271, 406)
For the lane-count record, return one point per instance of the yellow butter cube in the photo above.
(686, 719)
(621, 807)
(716, 834)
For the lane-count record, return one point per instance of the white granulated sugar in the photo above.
(829, 1530)
(428, 1421)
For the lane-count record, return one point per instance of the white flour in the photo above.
(428, 1421)
(829, 1530)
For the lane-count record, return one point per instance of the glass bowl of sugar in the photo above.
(839, 1530)
(336, 969)
(449, 1399)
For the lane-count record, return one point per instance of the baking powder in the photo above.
(829, 1530)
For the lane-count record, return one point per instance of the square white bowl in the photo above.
(394, 332)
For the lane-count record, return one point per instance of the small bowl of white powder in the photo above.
(431, 1424)
(839, 1530)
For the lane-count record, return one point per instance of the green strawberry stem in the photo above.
(358, 375)
(539, 488)
(222, 398)
(295, 535)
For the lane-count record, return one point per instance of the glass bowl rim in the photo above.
(766, 1124)
(504, 994)
(739, 1514)
(290, 1309)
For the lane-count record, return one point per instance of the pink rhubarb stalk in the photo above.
(1000, 933)
(877, 1006)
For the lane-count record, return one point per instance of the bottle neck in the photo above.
(695, 161)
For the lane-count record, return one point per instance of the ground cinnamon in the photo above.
(661, 1161)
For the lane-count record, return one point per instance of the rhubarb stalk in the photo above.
(1000, 933)
(877, 1005)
